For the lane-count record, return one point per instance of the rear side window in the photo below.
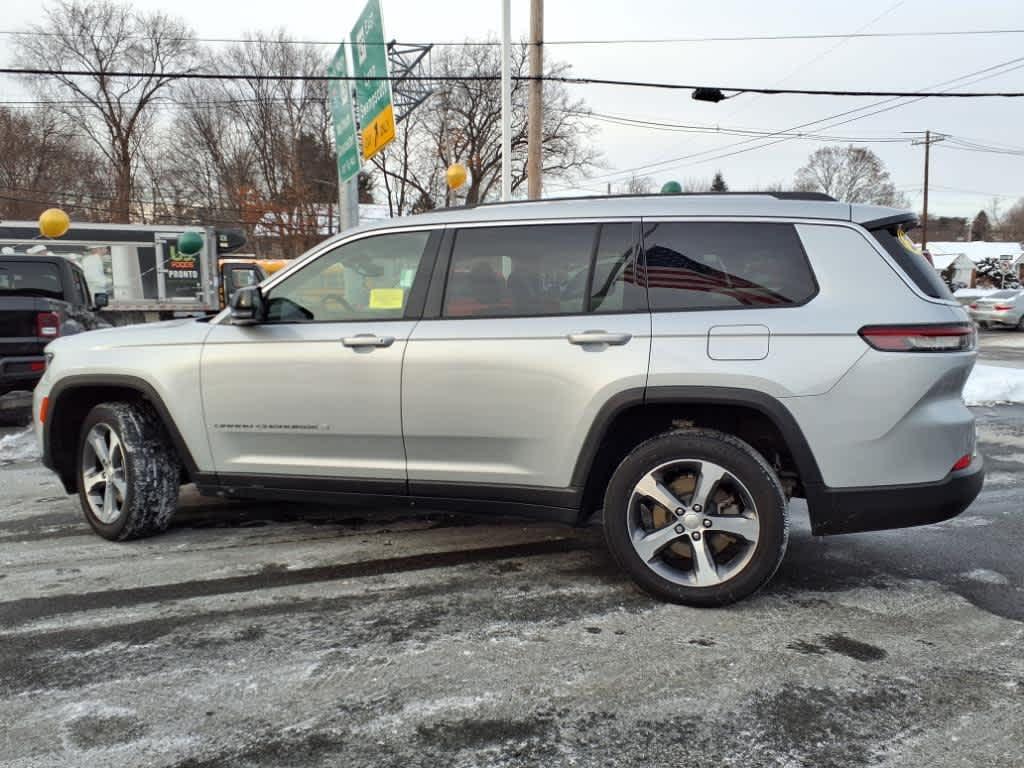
(517, 271)
(914, 265)
(725, 265)
(616, 286)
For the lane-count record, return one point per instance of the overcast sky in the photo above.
(963, 181)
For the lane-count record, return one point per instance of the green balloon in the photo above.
(190, 243)
(671, 188)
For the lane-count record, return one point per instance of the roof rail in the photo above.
(809, 196)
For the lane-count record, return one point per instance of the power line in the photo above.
(599, 41)
(985, 73)
(724, 131)
(191, 75)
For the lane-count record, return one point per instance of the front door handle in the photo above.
(599, 337)
(368, 340)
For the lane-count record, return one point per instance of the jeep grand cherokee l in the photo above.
(683, 365)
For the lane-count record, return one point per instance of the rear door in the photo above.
(531, 328)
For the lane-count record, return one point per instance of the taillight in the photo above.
(957, 337)
(1003, 307)
(974, 306)
(47, 325)
(962, 463)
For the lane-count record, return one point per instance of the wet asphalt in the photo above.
(259, 634)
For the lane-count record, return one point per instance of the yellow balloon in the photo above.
(456, 175)
(53, 222)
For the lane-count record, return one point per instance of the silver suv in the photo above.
(682, 364)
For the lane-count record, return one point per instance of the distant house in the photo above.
(964, 257)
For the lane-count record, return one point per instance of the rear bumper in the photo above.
(1000, 318)
(16, 373)
(849, 510)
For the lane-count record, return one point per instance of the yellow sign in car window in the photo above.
(906, 242)
(386, 298)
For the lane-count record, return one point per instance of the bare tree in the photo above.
(851, 174)
(43, 163)
(637, 185)
(461, 122)
(1012, 223)
(114, 112)
(262, 147)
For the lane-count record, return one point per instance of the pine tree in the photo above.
(718, 184)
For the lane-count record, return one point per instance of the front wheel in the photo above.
(696, 517)
(128, 471)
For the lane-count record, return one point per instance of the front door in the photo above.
(315, 389)
(540, 325)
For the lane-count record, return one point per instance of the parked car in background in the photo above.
(682, 365)
(41, 299)
(1005, 308)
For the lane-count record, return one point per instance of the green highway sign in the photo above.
(346, 144)
(370, 60)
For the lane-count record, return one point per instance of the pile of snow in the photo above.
(19, 446)
(974, 293)
(994, 384)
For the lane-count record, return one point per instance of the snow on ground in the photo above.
(19, 446)
(994, 384)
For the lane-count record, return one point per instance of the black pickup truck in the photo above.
(41, 298)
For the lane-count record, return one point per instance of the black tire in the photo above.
(152, 471)
(741, 461)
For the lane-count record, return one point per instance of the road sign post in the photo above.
(346, 141)
(373, 89)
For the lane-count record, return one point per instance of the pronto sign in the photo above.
(373, 89)
(345, 141)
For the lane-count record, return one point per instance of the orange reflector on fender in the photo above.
(963, 462)
(43, 408)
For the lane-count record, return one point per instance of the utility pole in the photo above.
(535, 106)
(506, 100)
(928, 140)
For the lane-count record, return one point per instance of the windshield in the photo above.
(1002, 295)
(28, 279)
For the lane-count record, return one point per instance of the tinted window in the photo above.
(367, 279)
(27, 279)
(912, 262)
(725, 265)
(515, 271)
(615, 286)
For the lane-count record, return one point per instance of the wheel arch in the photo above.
(634, 415)
(73, 397)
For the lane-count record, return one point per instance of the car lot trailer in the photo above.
(139, 267)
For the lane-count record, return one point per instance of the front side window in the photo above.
(367, 279)
(725, 265)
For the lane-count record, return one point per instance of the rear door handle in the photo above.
(368, 340)
(599, 337)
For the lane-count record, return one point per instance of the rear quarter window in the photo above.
(913, 263)
(725, 265)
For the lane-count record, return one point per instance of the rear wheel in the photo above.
(128, 471)
(696, 517)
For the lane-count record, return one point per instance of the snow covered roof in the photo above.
(946, 253)
(943, 260)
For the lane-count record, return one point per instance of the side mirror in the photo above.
(247, 307)
(100, 300)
